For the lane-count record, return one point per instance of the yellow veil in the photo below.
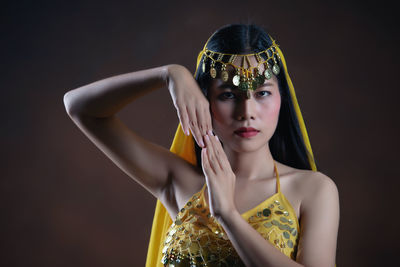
(183, 146)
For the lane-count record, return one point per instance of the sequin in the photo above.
(278, 212)
(199, 206)
(283, 219)
(275, 222)
(268, 224)
(286, 235)
(164, 260)
(165, 249)
(286, 227)
(168, 239)
(277, 202)
(294, 232)
(172, 232)
(259, 214)
(281, 207)
(266, 212)
(189, 203)
(290, 243)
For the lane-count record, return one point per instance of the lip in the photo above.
(246, 132)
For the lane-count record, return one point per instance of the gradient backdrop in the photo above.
(63, 203)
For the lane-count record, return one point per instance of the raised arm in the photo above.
(93, 108)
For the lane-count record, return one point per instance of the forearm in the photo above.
(106, 97)
(252, 248)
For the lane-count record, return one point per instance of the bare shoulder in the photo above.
(305, 187)
(317, 185)
(307, 181)
(317, 191)
(319, 216)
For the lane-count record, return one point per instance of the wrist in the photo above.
(226, 217)
(172, 71)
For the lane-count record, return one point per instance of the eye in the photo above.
(262, 93)
(226, 96)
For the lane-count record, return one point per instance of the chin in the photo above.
(246, 146)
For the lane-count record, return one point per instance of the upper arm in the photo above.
(147, 163)
(319, 223)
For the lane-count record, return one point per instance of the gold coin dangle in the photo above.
(213, 71)
(224, 74)
(236, 78)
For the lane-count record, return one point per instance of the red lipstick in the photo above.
(246, 132)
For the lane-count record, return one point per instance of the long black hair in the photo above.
(286, 145)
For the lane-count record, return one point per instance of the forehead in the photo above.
(249, 63)
(244, 61)
(218, 84)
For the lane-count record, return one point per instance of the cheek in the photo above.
(270, 111)
(220, 112)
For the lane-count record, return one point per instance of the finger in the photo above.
(208, 119)
(205, 164)
(219, 153)
(194, 127)
(220, 156)
(202, 122)
(205, 121)
(211, 154)
(184, 120)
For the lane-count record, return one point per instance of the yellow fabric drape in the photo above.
(183, 146)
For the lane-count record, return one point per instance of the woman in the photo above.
(251, 153)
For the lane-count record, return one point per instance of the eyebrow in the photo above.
(226, 86)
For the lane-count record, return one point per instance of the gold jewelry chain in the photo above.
(244, 77)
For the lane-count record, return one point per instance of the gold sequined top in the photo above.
(196, 238)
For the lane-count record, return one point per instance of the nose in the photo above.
(245, 109)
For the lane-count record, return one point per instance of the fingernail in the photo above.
(210, 132)
(217, 137)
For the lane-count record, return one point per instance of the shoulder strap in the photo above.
(278, 184)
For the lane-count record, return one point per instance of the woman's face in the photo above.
(244, 124)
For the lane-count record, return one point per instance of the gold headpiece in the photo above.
(246, 76)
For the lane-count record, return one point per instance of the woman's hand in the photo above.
(219, 177)
(192, 106)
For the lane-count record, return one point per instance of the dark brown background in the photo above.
(65, 204)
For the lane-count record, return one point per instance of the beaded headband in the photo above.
(247, 77)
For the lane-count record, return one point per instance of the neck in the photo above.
(251, 165)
